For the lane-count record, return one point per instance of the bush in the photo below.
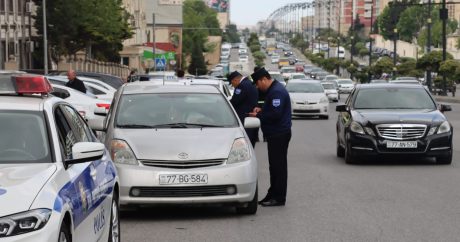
(363, 52)
(254, 47)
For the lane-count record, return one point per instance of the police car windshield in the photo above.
(304, 88)
(159, 110)
(23, 138)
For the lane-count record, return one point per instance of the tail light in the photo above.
(103, 105)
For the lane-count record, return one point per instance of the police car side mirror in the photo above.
(86, 151)
(251, 123)
(61, 94)
(97, 124)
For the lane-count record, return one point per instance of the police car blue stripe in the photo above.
(79, 193)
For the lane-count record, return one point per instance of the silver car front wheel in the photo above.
(114, 235)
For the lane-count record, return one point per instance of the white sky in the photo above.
(249, 12)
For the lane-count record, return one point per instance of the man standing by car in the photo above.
(275, 117)
(244, 100)
(74, 82)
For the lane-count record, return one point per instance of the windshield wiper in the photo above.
(136, 126)
(184, 125)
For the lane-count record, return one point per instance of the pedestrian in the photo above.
(74, 82)
(275, 117)
(131, 75)
(454, 88)
(244, 100)
(180, 74)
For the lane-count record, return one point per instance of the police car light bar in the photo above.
(32, 84)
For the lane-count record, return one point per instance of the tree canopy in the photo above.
(99, 26)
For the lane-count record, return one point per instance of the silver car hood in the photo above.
(167, 144)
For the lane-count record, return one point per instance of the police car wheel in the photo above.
(114, 235)
(64, 233)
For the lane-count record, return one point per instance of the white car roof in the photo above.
(148, 87)
(303, 81)
(24, 103)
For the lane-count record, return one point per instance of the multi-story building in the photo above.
(16, 31)
(361, 9)
(133, 48)
(164, 21)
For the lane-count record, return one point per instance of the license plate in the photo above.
(174, 179)
(402, 144)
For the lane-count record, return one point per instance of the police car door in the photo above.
(90, 211)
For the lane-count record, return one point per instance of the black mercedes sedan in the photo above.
(394, 120)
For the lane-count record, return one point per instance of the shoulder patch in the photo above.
(237, 91)
(276, 102)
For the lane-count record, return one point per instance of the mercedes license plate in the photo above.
(402, 144)
(175, 179)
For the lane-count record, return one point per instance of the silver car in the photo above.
(180, 145)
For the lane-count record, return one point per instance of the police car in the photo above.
(57, 182)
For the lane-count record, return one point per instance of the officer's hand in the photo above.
(257, 110)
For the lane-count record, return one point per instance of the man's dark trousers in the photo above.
(277, 146)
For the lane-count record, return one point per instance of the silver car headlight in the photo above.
(239, 152)
(324, 100)
(24, 222)
(356, 128)
(121, 153)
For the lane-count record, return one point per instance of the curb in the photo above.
(447, 99)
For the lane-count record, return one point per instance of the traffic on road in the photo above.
(168, 156)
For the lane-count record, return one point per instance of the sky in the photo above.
(249, 12)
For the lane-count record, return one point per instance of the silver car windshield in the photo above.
(305, 87)
(175, 110)
(394, 98)
(24, 137)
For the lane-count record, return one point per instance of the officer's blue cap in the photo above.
(257, 75)
(233, 75)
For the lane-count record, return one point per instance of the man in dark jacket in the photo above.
(275, 117)
(74, 82)
(244, 100)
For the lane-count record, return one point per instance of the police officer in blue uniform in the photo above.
(244, 100)
(275, 117)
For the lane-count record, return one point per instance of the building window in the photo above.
(11, 6)
(125, 61)
(2, 5)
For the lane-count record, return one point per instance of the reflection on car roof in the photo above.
(146, 87)
(388, 85)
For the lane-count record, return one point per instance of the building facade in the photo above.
(133, 50)
(16, 32)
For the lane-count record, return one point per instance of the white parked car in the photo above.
(244, 59)
(242, 51)
(88, 106)
(331, 91)
(163, 75)
(296, 76)
(276, 75)
(219, 84)
(308, 98)
(94, 87)
(275, 59)
(345, 85)
(57, 180)
(286, 71)
(181, 145)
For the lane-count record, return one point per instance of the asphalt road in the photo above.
(381, 200)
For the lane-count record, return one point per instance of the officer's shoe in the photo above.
(273, 203)
(266, 198)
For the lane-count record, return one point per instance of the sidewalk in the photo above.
(448, 98)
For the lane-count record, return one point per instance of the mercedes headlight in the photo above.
(444, 128)
(25, 222)
(239, 152)
(356, 128)
(121, 153)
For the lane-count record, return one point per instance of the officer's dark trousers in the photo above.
(277, 146)
(253, 135)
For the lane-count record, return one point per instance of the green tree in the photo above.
(436, 29)
(200, 21)
(197, 65)
(231, 34)
(450, 69)
(388, 18)
(100, 27)
(432, 61)
(384, 65)
(408, 67)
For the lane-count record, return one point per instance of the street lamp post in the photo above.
(395, 39)
(338, 36)
(428, 46)
(45, 40)
(444, 16)
(370, 43)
